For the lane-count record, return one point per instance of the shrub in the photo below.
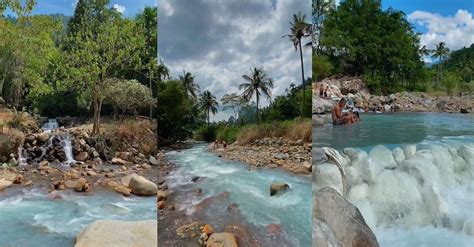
(9, 143)
(127, 132)
(227, 134)
(22, 121)
(128, 96)
(205, 134)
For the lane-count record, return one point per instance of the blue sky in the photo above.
(441, 7)
(66, 7)
(449, 21)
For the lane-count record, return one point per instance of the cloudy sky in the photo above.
(127, 7)
(439, 20)
(219, 41)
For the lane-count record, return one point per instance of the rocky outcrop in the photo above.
(119, 234)
(336, 222)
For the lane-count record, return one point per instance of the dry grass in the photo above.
(10, 140)
(21, 121)
(290, 130)
(141, 132)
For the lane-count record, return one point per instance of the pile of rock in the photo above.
(207, 236)
(43, 146)
(294, 156)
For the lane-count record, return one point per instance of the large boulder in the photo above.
(328, 175)
(321, 106)
(42, 137)
(336, 222)
(277, 188)
(5, 184)
(119, 234)
(142, 186)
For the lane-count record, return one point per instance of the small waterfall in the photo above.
(51, 125)
(67, 147)
(22, 156)
(61, 138)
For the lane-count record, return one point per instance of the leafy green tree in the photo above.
(175, 111)
(234, 102)
(299, 30)
(189, 86)
(208, 104)
(128, 96)
(102, 51)
(258, 83)
(19, 7)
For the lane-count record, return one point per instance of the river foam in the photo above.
(414, 195)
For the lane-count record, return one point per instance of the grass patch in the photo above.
(130, 132)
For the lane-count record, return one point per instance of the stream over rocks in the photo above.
(209, 188)
(417, 189)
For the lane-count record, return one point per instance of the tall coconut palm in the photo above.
(424, 51)
(259, 83)
(441, 52)
(299, 30)
(190, 87)
(208, 105)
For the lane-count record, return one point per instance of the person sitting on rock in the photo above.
(339, 118)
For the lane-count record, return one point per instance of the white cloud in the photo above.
(121, 9)
(166, 7)
(230, 37)
(456, 31)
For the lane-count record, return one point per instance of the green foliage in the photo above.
(228, 133)
(362, 39)
(207, 134)
(322, 67)
(128, 96)
(258, 83)
(176, 115)
(450, 83)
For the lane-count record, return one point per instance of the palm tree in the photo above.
(441, 52)
(258, 83)
(299, 29)
(190, 87)
(162, 71)
(424, 51)
(208, 105)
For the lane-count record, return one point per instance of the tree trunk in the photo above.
(257, 109)
(302, 80)
(151, 89)
(208, 121)
(97, 110)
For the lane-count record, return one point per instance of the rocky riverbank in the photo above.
(293, 156)
(46, 160)
(356, 91)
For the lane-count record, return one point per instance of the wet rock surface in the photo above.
(336, 222)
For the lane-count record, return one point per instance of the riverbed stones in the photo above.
(5, 184)
(223, 239)
(142, 186)
(82, 185)
(336, 222)
(153, 161)
(161, 195)
(82, 156)
(119, 234)
(278, 188)
(123, 190)
(42, 137)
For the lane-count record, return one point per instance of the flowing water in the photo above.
(51, 125)
(410, 175)
(31, 217)
(250, 190)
